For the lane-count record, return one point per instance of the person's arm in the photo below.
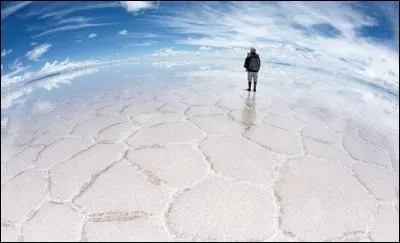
(246, 62)
(259, 61)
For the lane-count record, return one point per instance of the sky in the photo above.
(59, 41)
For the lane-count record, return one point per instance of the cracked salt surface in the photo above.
(326, 206)
(212, 208)
(60, 218)
(201, 164)
(141, 229)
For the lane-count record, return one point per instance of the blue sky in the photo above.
(36, 34)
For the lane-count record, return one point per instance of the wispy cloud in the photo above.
(92, 35)
(205, 48)
(19, 83)
(5, 52)
(149, 43)
(42, 8)
(9, 99)
(37, 52)
(12, 8)
(123, 32)
(71, 20)
(17, 64)
(76, 19)
(148, 36)
(79, 7)
(135, 6)
(295, 32)
(70, 27)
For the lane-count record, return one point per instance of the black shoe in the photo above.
(254, 90)
(248, 89)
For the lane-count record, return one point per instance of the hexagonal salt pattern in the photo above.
(22, 194)
(63, 221)
(165, 133)
(198, 164)
(177, 165)
(122, 188)
(221, 210)
(276, 139)
(317, 197)
(148, 229)
(239, 158)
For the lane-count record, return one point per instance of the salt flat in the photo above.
(200, 164)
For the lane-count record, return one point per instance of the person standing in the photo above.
(252, 65)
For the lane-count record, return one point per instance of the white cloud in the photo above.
(37, 52)
(273, 29)
(149, 43)
(70, 27)
(34, 43)
(16, 85)
(135, 6)
(19, 83)
(92, 35)
(67, 78)
(17, 64)
(63, 12)
(9, 99)
(76, 19)
(12, 8)
(205, 48)
(5, 52)
(123, 32)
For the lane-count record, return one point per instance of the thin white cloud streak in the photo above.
(144, 43)
(64, 12)
(12, 8)
(5, 52)
(146, 36)
(42, 8)
(71, 20)
(135, 6)
(69, 27)
(76, 19)
(37, 52)
(205, 48)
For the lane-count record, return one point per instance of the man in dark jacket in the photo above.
(252, 65)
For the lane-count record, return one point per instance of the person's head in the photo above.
(253, 50)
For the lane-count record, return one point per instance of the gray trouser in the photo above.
(252, 75)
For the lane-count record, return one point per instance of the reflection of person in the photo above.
(252, 65)
(249, 111)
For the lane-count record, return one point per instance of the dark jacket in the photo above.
(252, 62)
